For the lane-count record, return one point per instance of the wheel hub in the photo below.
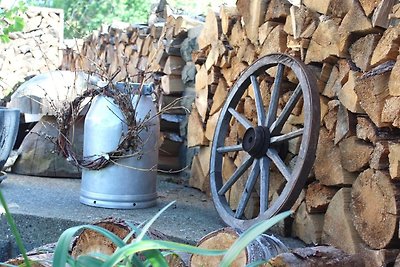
(256, 141)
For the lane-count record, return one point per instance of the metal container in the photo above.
(9, 123)
(131, 182)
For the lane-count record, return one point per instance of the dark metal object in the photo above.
(265, 144)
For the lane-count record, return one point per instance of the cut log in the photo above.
(324, 42)
(394, 80)
(394, 160)
(253, 14)
(348, 96)
(375, 205)
(381, 14)
(90, 241)
(318, 197)
(338, 228)
(379, 158)
(306, 226)
(378, 257)
(355, 153)
(316, 256)
(387, 47)
(196, 132)
(372, 92)
(263, 248)
(362, 49)
(328, 167)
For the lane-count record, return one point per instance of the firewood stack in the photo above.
(352, 199)
(149, 53)
(37, 49)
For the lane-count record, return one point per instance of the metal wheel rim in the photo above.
(308, 145)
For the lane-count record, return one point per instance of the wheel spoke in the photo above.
(240, 118)
(235, 176)
(274, 156)
(264, 183)
(273, 105)
(226, 149)
(286, 137)
(248, 189)
(258, 99)
(277, 126)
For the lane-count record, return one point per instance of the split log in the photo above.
(220, 96)
(229, 16)
(379, 158)
(174, 65)
(355, 153)
(348, 96)
(265, 29)
(276, 41)
(172, 84)
(361, 50)
(387, 47)
(381, 14)
(253, 14)
(348, 29)
(316, 256)
(196, 132)
(263, 248)
(378, 257)
(277, 10)
(394, 160)
(307, 226)
(338, 228)
(330, 118)
(391, 111)
(369, 6)
(324, 43)
(211, 30)
(328, 167)
(375, 205)
(344, 124)
(372, 90)
(200, 170)
(318, 197)
(201, 102)
(211, 124)
(394, 80)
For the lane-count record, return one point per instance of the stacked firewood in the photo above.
(158, 53)
(35, 50)
(352, 199)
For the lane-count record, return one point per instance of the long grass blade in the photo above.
(14, 230)
(152, 220)
(88, 261)
(249, 235)
(145, 245)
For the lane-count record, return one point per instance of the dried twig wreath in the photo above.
(130, 144)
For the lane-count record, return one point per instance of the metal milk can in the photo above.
(130, 182)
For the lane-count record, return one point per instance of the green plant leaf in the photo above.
(64, 241)
(249, 235)
(6, 264)
(152, 220)
(19, 24)
(145, 245)
(88, 261)
(14, 230)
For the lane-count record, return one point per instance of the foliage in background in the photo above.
(83, 16)
(10, 21)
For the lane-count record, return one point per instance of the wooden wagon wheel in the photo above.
(263, 148)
